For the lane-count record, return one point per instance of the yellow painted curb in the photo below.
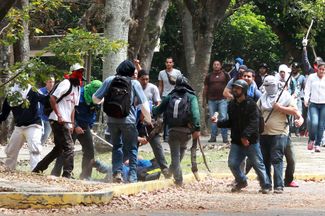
(19, 200)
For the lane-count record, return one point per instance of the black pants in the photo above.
(63, 146)
(86, 142)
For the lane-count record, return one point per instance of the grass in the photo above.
(217, 162)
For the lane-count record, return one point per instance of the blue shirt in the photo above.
(137, 92)
(41, 114)
(85, 115)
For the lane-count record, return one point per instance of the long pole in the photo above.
(277, 100)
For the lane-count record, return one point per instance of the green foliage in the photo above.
(246, 34)
(27, 73)
(78, 43)
(15, 18)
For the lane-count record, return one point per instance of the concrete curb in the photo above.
(38, 200)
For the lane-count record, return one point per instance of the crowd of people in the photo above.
(261, 109)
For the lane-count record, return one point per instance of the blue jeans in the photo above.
(317, 121)
(46, 131)
(219, 106)
(129, 135)
(236, 156)
(273, 148)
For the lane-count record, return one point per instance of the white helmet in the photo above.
(76, 66)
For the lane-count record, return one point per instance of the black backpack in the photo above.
(47, 105)
(178, 112)
(117, 101)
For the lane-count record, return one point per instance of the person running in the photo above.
(274, 138)
(28, 125)
(62, 121)
(315, 101)
(243, 119)
(122, 123)
(183, 116)
(85, 117)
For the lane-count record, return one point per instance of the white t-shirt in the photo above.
(167, 86)
(152, 93)
(67, 104)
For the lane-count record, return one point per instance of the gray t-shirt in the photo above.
(152, 93)
(167, 86)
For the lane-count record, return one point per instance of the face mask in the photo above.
(271, 89)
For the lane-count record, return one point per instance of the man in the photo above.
(282, 76)
(62, 121)
(300, 84)
(307, 67)
(227, 91)
(152, 93)
(166, 83)
(274, 139)
(252, 90)
(262, 73)
(28, 125)
(234, 72)
(85, 117)
(45, 120)
(182, 114)
(214, 84)
(124, 128)
(243, 119)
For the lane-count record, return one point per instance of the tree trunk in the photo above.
(205, 15)
(4, 64)
(5, 6)
(188, 37)
(117, 19)
(156, 19)
(139, 15)
(22, 47)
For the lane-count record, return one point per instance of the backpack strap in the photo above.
(65, 94)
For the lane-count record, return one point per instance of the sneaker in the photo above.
(310, 145)
(317, 148)
(265, 190)
(117, 178)
(225, 140)
(238, 186)
(278, 190)
(166, 173)
(292, 184)
(212, 139)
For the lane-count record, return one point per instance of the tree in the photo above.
(117, 20)
(246, 34)
(290, 20)
(199, 21)
(5, 7)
